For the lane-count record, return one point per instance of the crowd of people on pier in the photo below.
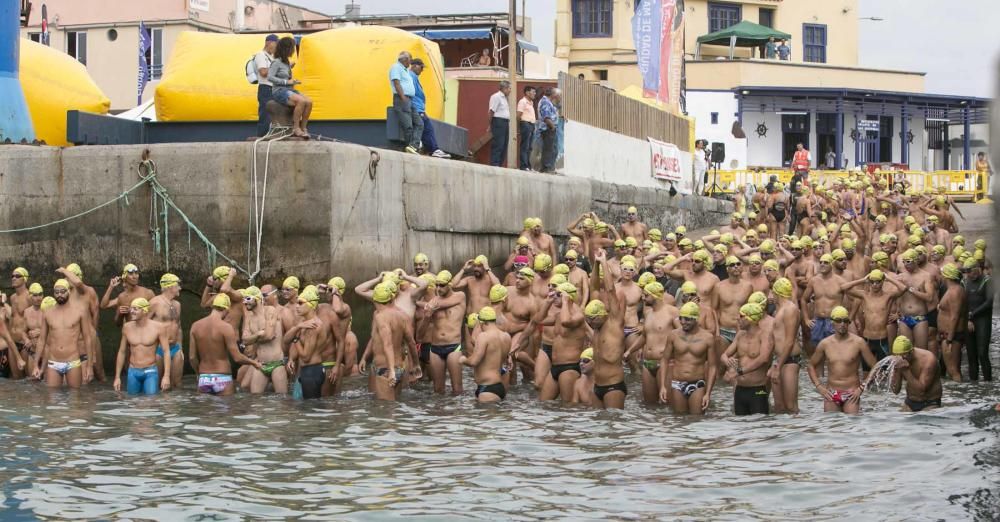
(872, 283)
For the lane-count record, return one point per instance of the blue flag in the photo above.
(646, 34)
(145, 42)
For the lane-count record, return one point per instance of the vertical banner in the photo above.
(666, 164)
(658, 35)
(145, 42)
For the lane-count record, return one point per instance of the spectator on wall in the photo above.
(526, 127)
(484, 58)
(262, 62)
(499, 124)
(428, 139)
(279, 73)
(770, 49)
(548, 121)
(401, 82)
(700, 166)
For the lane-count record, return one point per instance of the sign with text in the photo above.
(665, 162)
(868, 125)
(657, 33)
(201, 5)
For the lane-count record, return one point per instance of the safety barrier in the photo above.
(961, 185)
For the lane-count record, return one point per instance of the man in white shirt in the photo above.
(700, 166)
(262, 62)
(499, 124)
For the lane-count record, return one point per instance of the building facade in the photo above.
(104, 34)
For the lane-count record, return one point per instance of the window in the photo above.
(602, 74)
(76, 45)
(814, 41)
(885, 138)
(35, 37)
(592, 18)
(721, 16)
(766, 17)
(154, 56)
(715, 118)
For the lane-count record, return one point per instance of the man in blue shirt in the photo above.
(403, 90)
(420, 106)
(770, 49)
(548, 121)
(784, 51)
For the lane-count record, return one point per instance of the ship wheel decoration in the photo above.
(855, 134)
(761, 130)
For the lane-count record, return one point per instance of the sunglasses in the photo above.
(585, 361)
(131, 271)
(16, 276)
(734, 265)
(248, 300)
(272, 292)
(842, 321)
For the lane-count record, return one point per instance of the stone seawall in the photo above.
(330, 209)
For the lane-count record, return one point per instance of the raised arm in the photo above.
(366, 290)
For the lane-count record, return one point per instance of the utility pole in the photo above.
(512, 98)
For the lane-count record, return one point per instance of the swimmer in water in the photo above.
(686, 383)
(165, 308)
(919, 368)
(212, 342)
(63, 327)
(489, 354)
(140, 338)
(840, 355)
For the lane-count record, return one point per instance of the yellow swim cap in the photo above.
(758, 298)
(221, 301)
(129, 268)
(970, 263)
(543, 263)
(914, 239)
(23, 272)
(472, 320)
(220, 272)
(939, 250)
(571, 254)
(561, 269)
(690, 310)
(595, 308)
(527, 273)
(487, 314)
(876, 275)
(140, 303)
(755, 259)
(762, 229)
(601, 226)
(587, 354)
(681, 229)
(980, 244)
(420, 259)
(950, 271)
(557, 279)
(522, 241)
(902, 346)
(481, 260)
(74, 269)
(382, 294)
(839, 313)
(909, 220)
(628, 265)
(645, 278)
(767, 246)
(340, 284)
(782, 287)
(722, 249)
(498, 293)
(733, 260)
(168, 280)
(254, 292)
(443, 278)
(933, 219)
(797, 245)
(958, 240)
(48, 302)
(979, 255)
(689, 288)
(752, 311)
(588, 224)
(726, 239)
(881, 218)
(826, 258)
(884, 238)
(568, 289)
(61, 283)
(847, 244)
(686, 242)
(670, 237)
(291, 282)
(910, 255)
(881, 259)
(619, 243)
(633, 210)
(654, 289)
(807, 241)
(431, 283)
(573, 240)
(771, 264)
(838, 255)
(529, 223)
(36, 289)
(655, 234)
(630, 242)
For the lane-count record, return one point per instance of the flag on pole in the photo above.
(145, 42)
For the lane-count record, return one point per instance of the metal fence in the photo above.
(593, 105)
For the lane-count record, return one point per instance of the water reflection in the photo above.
(98, 454)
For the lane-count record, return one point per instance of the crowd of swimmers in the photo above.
(870, 272)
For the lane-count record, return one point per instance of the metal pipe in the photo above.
(512, 50)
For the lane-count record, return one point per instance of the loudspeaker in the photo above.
(718, 152)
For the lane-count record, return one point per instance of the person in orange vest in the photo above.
(802, 158)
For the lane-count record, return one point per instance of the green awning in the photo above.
(748, 34)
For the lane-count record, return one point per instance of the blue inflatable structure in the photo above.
(15, 120)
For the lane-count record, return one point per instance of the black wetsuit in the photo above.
(980, 300)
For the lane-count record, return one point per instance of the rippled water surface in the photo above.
(98, 454)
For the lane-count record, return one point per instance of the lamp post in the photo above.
(512, 97)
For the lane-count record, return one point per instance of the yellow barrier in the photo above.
(962, 185)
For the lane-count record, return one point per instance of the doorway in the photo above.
(794, 130)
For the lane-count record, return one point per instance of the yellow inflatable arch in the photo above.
(53, 83)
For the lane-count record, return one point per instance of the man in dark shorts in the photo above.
(919, 368)
(748, 358)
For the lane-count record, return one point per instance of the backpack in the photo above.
(251, 70)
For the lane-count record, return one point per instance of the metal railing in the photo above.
(962, 185)
(593, 105)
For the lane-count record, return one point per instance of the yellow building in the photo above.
(813, 91)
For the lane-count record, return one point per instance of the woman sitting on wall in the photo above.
(280, 75)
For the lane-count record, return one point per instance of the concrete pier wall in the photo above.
(330, 209)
